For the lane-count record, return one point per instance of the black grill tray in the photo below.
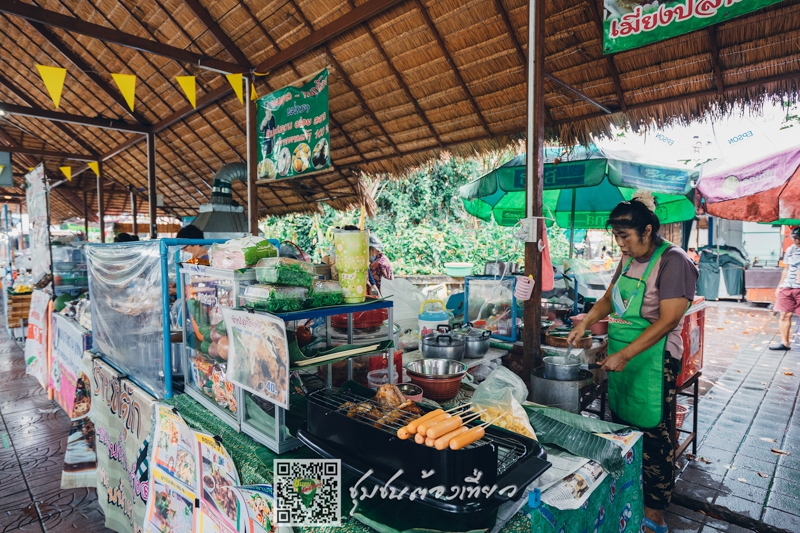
(362, 448)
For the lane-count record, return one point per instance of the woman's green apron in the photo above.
(636, 394)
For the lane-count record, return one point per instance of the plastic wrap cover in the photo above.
(126, 294)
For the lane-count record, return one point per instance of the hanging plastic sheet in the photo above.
(126, 295)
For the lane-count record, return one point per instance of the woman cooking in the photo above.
(651, 290)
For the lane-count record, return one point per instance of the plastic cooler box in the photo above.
(693, 336)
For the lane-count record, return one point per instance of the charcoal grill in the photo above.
(502, 458)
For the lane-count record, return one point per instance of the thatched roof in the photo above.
(418, 77)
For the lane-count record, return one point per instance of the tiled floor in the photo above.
(33, 434)
(749, 411)
(749, 400)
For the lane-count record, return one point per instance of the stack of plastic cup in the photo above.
(352, 262)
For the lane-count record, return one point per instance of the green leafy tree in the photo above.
(421, 220)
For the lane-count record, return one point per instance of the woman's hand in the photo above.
(615, 362)
(576, 334)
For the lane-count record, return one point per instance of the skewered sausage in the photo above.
(444, 441)
(466, 438)
(443, 427)
(412, 426)
(419, 439)
(422, 429)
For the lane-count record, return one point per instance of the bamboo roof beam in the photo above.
(438, 36)
(49, 153)
(110, 35)
(87, 70)
(57, 116)
(32, 103)
(215, 29)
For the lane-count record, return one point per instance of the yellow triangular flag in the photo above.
(189, 86)
(67, 171)
(1, 168)
(127, 86)
(53, 78)
(95, 166)
(236, 82)
(253, 93)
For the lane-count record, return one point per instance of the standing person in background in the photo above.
(198, 252)
(379, 265)
(787, 301)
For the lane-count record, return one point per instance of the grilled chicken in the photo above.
(389, 395)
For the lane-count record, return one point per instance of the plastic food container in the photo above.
(325, 294)
(376, 378)
(274, 299)
(285, 271)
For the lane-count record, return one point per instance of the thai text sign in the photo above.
(293, 134)
(36, 337)
(68, 344)
(631, 23)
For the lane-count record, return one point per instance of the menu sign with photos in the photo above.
(258, 358)
(293, 134)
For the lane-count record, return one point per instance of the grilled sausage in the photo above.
(422, 429)
(429, 442)
(444, 441)
(412, 426)
(403, 433)
(443, 427)
(419, 439)
(466, 438)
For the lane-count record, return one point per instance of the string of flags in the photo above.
(54, 78)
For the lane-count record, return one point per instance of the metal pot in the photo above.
(497, 268)
(436, 346)
(564, 369)
(477, 341)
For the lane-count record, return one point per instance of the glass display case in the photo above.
(131, 295)
(69, 269)
(491, 304)
(205, 291)
(274, 426)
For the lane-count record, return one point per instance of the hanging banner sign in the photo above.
(68, 342)
(122, 416)
(38, 220)
(293, 133)
(630, 24)
(80, 459)
(36, 337)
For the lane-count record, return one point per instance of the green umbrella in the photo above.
(581, 189)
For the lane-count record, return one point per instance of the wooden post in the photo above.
(152, 196)
(532, 356)
(134, 225)
(252, 162)
(101, 216)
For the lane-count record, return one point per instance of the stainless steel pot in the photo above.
(497, 268)
(564, 369)
(435, 346)
(436, 368)
(477, 341)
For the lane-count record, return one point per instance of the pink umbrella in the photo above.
(765, 190)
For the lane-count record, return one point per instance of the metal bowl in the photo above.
(437, 368)
(410, 390)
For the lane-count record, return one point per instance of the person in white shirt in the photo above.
(787, 294)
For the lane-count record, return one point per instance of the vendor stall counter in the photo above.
(129, 288)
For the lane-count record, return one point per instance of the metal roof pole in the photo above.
(85, 215)
(101, 216)
(134, 225)
(252, 162)
(152, 197)
(532, 356)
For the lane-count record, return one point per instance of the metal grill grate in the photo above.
(509, 451)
